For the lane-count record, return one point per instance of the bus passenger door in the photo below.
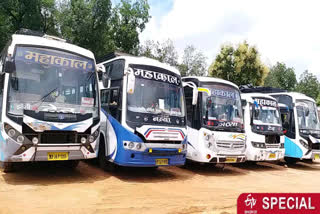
(110, 101)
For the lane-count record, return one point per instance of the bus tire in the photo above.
(8, 167)
(103, 162)
(290, 160)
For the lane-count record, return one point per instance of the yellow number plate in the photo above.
(231, 160)
(56, 156)
(272, 155)
(162, 162)
(316, 156)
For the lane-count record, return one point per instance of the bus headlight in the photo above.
(83, 140)
(258, 145)
(91, 138)
(137, 146)
(35, 140)
(20, 139)
(209, 145)
(304, 144)
(11, 133)
(131, 145)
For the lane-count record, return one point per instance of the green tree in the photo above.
(281, 77)
(96, 25)
(163, 52)
(193, 62)
(32, 14)
(241, 65)
(308, 85)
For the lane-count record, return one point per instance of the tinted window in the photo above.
(188, 95)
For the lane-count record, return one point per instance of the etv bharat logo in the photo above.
(250, 201)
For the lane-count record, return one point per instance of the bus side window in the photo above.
(117, 70)
(105, 99)
(110, 102)
(1, 94)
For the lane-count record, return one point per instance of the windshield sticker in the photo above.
(204, 90)
(224, 93)
(162, 119)
(153, 75)
(265, 102)
(87, 101)
(51, 58)
(228, 124)
(161, 103)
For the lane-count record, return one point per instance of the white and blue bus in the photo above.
(301, 126)
(144, 120)
(49, 101)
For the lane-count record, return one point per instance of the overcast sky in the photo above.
(285, 31)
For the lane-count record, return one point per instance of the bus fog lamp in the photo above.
(11, 133)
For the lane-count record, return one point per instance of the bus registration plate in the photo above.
(231, 160)
(56, 156)
(272, 155)
(317, 156)
(162, 162)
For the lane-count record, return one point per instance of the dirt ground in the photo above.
(43, 188)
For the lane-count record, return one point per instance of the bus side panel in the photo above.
(292, 149)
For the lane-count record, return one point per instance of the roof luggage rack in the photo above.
(112, 55)
(24, 31)
(259, 89)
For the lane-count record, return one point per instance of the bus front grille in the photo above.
(58, 137)
(230, 145)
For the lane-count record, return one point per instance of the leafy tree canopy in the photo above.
(241, 65)
(281, 77)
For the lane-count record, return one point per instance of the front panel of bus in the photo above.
(148, 121)
(50, 110)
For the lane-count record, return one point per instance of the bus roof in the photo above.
(18, 39)
(144, 61)
(249, 96)
(295, 96)
(211, 79)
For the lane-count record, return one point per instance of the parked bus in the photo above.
(302, 138)
(265, 140)
(215, 127)
(144, 121)
(49, 101)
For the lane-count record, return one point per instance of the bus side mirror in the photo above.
(131, 81)
(194, 96)
(256, 112)
(9, 66)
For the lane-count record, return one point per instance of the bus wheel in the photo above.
(8, 167)
(72, 164)
(103, 162)
(291, 161)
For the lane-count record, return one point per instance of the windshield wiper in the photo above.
(45, 96)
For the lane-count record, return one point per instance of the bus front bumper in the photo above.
(158, 157)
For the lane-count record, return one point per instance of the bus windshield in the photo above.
(222, 108)
(155, 97)
(52, 80)
(266, 112)
(307, 115)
